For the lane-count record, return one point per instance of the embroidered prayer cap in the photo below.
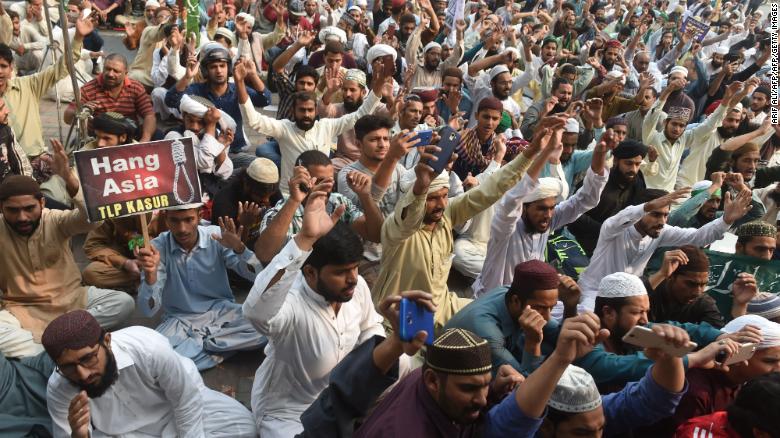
(765, 304)
(629, 149)
(572, 126)
(756, 229)
(355, 7)
(497, 70)
(151, 4)
(620, 285)
(616, 120)
(378, 50)
(113, 123)
(296, 8)
(547, 188)
(19, 185)
(263, 170)
(490, 102)
(533, 275)
(613, 44)
(459, 351)
(426, 94)
(702, 186)
(770, 331)
(357, 76)
(679, 112)
(74, 330)
(575, 393)
(430, 46)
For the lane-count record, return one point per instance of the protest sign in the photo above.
(701, 28)
(724, 269)
(133, 179)
(454, 12)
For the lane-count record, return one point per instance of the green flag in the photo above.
(724, 269)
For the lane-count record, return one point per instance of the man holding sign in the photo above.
(38, 274)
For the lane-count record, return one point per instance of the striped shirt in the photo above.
(132, 102)
(285, 87)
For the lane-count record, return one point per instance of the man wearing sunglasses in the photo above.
(131, 382)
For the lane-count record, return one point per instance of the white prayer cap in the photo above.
(770, 331)
(185, 206)
(54, 14)
(354, 7)
(152, 4)
(227, 33)
(248, 18)
(737, 107)
(722, 50)
(575, 393)
(621, 284)
(431, 45)
(361, 2)
(333, 32)
(442, 181)
(679, 69)
(263, 170)
(547, 188)
(572, 126)
(357, 76)
(615, 74)
(378, 50)
(497, 70)
(514, 52)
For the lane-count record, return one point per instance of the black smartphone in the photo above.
(448, 142)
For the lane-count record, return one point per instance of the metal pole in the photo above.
(54, 61)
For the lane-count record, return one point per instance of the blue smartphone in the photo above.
(414, 318)
(448, 142)
(425, 137)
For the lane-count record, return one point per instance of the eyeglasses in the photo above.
(89, 360)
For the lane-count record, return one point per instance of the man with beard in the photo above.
(745, 159)
(537, 203)
(628, 239)
(622, 304)
(759, 106)
(770, 197)
(305, 133)
(756, 239)
(315, 170)
(676, 291)
(141, 68)
(34, 291)
(634, 119)
(716, 60)
(131, 382)
(428, 73)
(672, 141)
(625, 184)
(703, 205)
(215, 65)
(113, 91)
(417, 238)
(562, 91)
(184, 272)
(678, 98)
(353, 91)
(728, 74)
(610, 93)
(497, 83)
(694, 166)
(453, 96)
(317, 270)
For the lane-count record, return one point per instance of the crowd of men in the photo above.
(614, 176)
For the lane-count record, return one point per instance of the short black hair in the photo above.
(341, 246)
(6, 53)
(648, 195)
(303, 96)
(407, 18)
(12, 14)
(558, 82)
(371, 123)
(756, 406)
(616, 304)
(454, 72)
(117, 57)
(304, 70)
(333, 46)
(312, 158)
(626, 31)
(568, 69)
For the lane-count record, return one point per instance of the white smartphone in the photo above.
(646, 338)
(744, 353)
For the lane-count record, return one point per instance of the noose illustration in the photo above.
(179, 158)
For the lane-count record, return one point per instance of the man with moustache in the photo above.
(131, 383)
(428, 73)
(305, 133)
(537, 203)
(625, 184)
(628, 239)
(498, 82)
(562, 91)
(315, 309)
(38, 274)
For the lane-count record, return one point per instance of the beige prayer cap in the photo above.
(263, 170)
